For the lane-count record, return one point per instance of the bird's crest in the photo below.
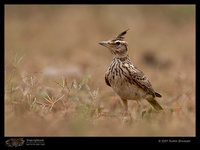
(121, 35)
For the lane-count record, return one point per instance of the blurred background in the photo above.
(50, 42)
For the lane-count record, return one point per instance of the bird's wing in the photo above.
(136, 76)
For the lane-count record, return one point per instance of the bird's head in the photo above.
(117, 45)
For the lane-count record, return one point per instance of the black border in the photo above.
(102, 141)
(100, 2)
(3, 68)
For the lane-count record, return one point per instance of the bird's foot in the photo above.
(126, 117)
(126, 113)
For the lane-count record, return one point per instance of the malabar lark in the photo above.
(126, 79)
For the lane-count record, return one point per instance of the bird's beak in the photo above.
(103, 43)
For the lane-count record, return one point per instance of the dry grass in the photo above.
(55, 69)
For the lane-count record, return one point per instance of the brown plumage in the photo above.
(127, 80)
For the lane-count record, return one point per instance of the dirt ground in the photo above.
(54, 69)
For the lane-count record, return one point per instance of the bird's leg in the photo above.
(126, 114)
(125, 105)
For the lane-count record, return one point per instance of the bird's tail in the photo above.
(157, 94)
(155, 104)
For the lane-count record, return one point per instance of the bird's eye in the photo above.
(118, 43)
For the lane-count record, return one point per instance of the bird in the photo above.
(127, 81)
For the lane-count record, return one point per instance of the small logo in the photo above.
(14, 142)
